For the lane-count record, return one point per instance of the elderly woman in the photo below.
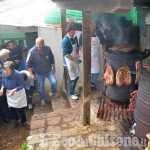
(4, 112)
(16, 97)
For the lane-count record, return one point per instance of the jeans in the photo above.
(21, 113)
(94, 77)
(29, 94)
(41, 82)
(71, 83)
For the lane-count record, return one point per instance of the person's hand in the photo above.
(33, 77)
(104, 56)
(137, 80)
(17, 61)
(138, 65)
(1, 92)
(76, 60)
(77, 55)
(54, 70)
(12, 92)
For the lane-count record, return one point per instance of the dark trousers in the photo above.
(4, 112)
(21, 113)
(29, 94)
(71, 83)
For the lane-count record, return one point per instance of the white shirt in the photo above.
(29, 82)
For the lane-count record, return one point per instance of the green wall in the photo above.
(12, 36)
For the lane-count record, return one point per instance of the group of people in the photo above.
(16, 84)
(19, 71)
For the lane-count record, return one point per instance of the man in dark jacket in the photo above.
(41, 59)
(14, 55)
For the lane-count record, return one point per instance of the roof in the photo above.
(106, 6)
(24, 12)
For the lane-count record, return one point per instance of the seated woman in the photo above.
(16, 97)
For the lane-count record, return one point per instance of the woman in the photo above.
(16, 97)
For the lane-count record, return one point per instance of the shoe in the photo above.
(56, 95)
(42, 102)
(29, 106)
(73, 97)
(7, 121)
(93, 85)
(15, 123)
(24, 124)
(75, 94)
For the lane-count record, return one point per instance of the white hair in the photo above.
(39, 38)
(4, 52)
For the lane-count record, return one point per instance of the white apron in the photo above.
(73, 67)
(96, 47)
(18, 99)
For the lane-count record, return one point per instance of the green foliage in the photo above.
(24, 146)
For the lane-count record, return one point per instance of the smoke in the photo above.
(112, 22)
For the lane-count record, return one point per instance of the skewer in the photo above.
(117, 112)
(105, 112)
(102, 109)
(120, 112)
(109, 112)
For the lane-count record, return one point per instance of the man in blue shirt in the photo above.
(71, 62)
(41, 59)
(23, 65)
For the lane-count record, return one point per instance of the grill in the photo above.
(114, 101)
(109, 111)
(118, 59)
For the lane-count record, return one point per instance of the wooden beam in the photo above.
(141, 3)
(63, 24)
(147, 43)
(86, 38)
(106, 6)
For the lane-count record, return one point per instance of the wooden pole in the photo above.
(63, 24)
(86, 38)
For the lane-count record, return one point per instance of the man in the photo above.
(15, 54)
(97, 45)
(41, 59)
(4, 55)
(20, 45)
(22, 65)
(71, 62)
